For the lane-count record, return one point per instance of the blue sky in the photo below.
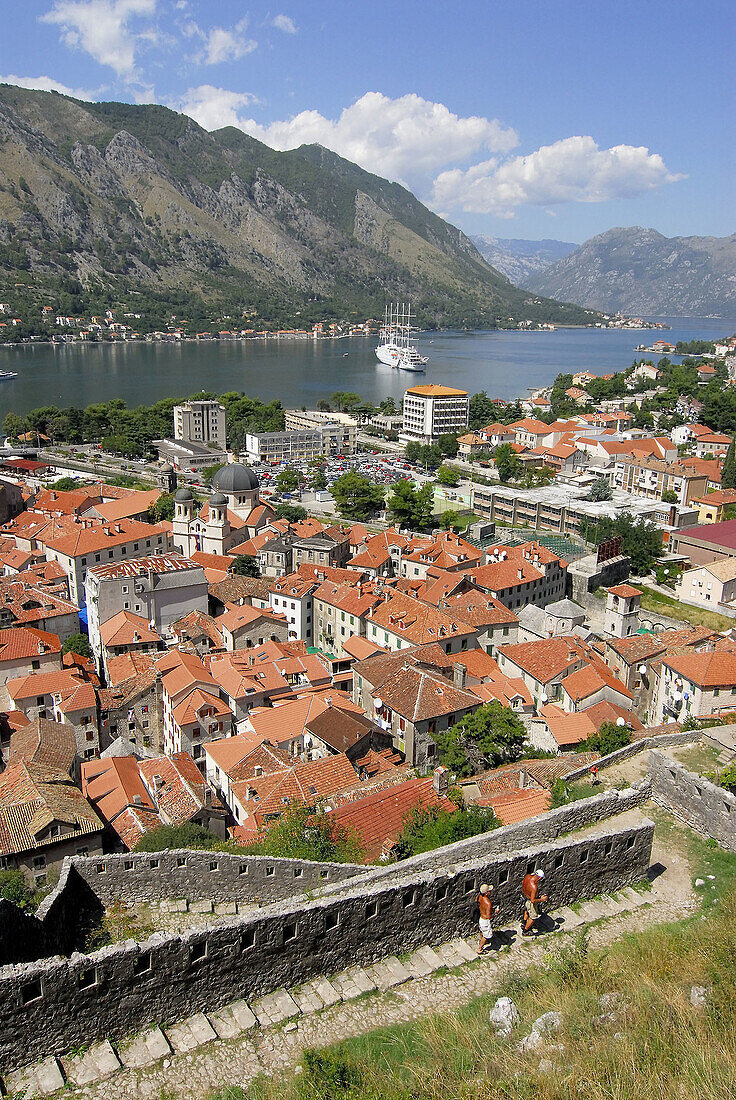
(516, 118)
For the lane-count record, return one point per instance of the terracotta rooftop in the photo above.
(44, 742)
(125, 629)
(379, 818)
(34, 797)
(20, 643)
(706, 670)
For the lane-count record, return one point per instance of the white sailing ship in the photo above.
(395, 348)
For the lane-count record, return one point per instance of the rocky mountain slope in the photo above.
(638, 271)
(520, 260)
(121, 196)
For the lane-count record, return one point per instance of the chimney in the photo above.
(157, 782)
(459, 675)
(522, 779)
(137, 800)
(441, 781)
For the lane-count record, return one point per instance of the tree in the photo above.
(179, 836)
(66, 485)
(300, 833)
(14, 425)
(448, 444)
(447, 475)
(356, 496)
(410, 507)
(669, 496)
(430, 827)
(388, 407)
(507, 462)
(291, 512)
(609, 738)
(490, 736)
(600, 490)
(208, 473)
(246, 566)
(450, 519)
(728, 474)
(640, 540)
(163, 509)
(482, 410)
(14, 887)
(727, 778)
(288, 480)
(318, 481)
(79, 644)
(324, 406)
(344, 402)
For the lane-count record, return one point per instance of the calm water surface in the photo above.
(506, 364)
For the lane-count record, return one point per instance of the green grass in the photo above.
(696, 616)
(703, 759)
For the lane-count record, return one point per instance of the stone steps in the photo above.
(284, 1007)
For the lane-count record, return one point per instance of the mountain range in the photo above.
(520, 260)
(638, 271)
(140, 199)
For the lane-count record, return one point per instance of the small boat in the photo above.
(6, 375)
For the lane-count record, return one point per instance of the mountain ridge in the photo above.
(637, 270)
(120, 196)
(518, 259)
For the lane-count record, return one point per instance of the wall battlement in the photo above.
(51, 1005)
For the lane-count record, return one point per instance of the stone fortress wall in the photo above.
(53, 1004)
(704, 806)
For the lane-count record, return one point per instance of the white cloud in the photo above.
(47, 84)
(227, 45)
(102, 29)
(213, 107)
(398, 138)
(284, 23)
(574, 169)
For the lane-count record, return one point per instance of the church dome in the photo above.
(235, 478)
(217, 500)
(183, 494)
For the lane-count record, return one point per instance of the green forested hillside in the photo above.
(98, 200)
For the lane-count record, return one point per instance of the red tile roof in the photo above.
(20, 643)
(378, 819)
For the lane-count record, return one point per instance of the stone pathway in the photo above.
(234, 1044)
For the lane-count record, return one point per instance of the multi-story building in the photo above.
(89, 543)
(276, 447)
(201, 422)
(292, 596)
(159, 589)
(563, 509)
(651, 477)
(431, 411)
(193, 711)
(694, 685)
(339, 431)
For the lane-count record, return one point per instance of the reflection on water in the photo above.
(506, 364)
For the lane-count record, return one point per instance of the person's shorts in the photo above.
(532, 909)
(485, 927)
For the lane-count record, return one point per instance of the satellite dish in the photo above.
(642, 669)
(545, 697)
(620, 721)
(379, 703)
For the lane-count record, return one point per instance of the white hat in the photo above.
(485, 888)
(539, 874)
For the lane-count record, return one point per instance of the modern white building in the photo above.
(302, 446)
(431, 411)
(201, 422)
